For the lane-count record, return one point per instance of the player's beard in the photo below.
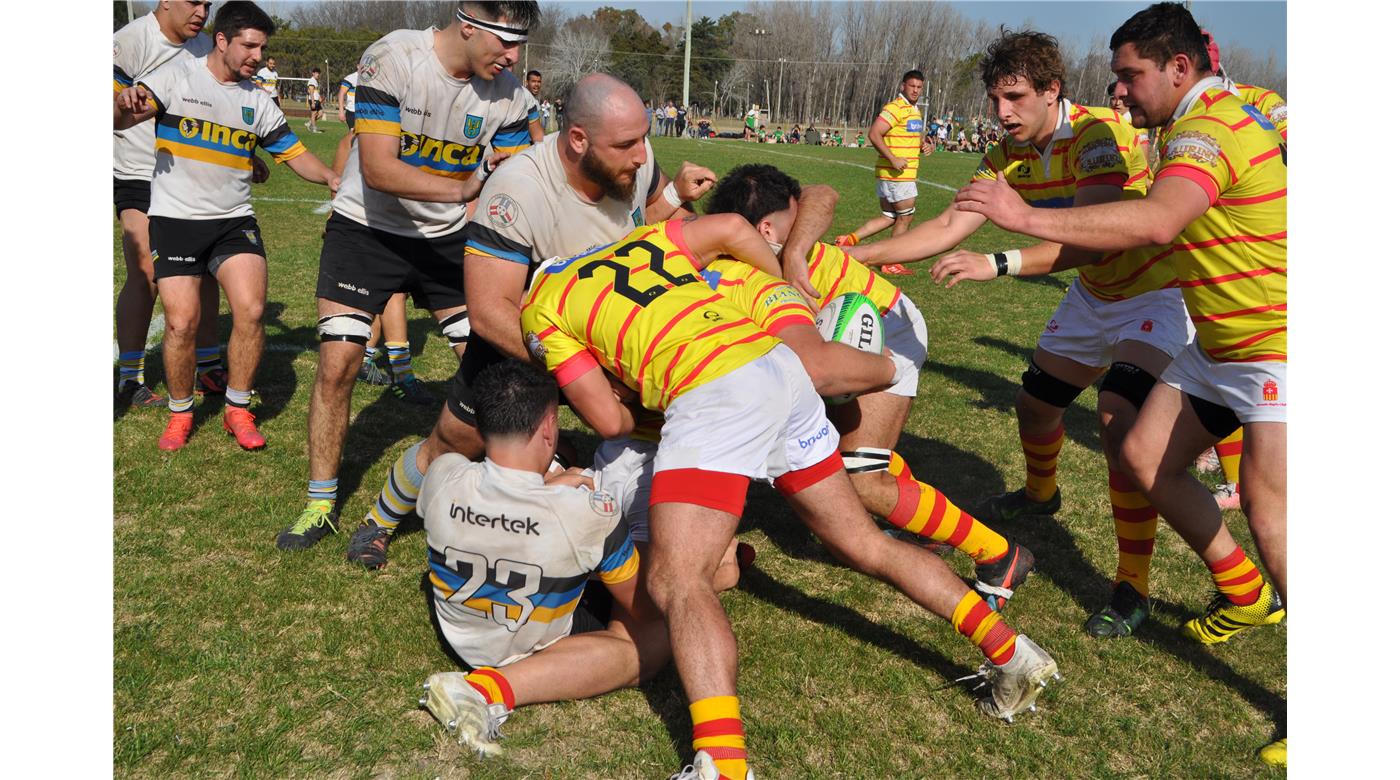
(595, 171)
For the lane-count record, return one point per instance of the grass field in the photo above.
(233, 659)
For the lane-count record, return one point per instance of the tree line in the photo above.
(829, 63)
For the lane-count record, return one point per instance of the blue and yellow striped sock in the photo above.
(238, 398)
(322, 489)
(131, 367)
(400, 494)
(400, 360)
(207, 359)
(178, 405)
(371, 353)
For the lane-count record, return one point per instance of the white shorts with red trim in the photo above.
(623, 467)
(763, 420)
(1255, 392)
(907, 337)
(1086, 329)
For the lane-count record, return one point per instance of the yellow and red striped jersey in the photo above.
(834, 273)
(1269, 103)
(904, 137)
(637, 309)
(1084, 151)
(1131, 141)
(770, 302)
(1232, 261)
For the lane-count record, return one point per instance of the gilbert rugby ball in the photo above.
(853, 320)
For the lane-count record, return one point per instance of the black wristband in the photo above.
(1000, 259)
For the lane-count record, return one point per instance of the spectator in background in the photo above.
(860, 139)
(813, 137)
(751, 123)
(670, 119)
(681, 123)
(534, 84)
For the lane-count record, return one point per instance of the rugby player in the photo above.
(870, 426)
(345, 101)
(897, 134)
(586, 186)
(267, 79)
(1116, 320)
(427, 105)
(636, 310)
(169, 32)
(510, 550)
(1220, 201)
(209, 117)
(313, 99)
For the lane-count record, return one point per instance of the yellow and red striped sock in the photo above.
(493, 686)
(1236, 577)
(976, 621)
(1135, 521)
(1229, 450)
(922, 509)
(719, 731)
(1042, 452)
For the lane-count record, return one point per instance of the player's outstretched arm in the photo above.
(593, 401)
(309, 167)
(710, 236)
(1171, 205)
(926, 239)
(815, 208)
(131, 107)
(836, 368)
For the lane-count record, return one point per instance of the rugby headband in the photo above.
(507, 34)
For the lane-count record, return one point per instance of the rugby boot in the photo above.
(997, 581)
(463, 711)
(1223, 619)
(1124, 613)
(177, 431)
(240, 423)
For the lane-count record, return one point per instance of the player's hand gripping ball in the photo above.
(853, 320)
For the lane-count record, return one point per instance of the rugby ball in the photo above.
(853, 320)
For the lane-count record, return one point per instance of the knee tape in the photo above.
(905, 212)
(1129, 381)
(888, 214)
(1043, 387)
(865, 460)
(456, 328)
(344, 327)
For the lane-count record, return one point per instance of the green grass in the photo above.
(232, 659)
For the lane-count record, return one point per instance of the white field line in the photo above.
(837, 162)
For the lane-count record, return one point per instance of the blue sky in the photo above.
(1260, 26)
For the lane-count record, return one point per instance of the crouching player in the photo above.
(870, 426)
(209, 117)
(509, 553)
(738, 406)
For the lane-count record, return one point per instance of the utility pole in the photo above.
(685, 90)
(779, 112)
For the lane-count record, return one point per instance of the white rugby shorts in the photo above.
(907, 337)
(895, 191)
(1255, 392)
(1086, 329)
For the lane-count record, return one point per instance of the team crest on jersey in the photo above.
(1270, 390)
(369, 68)
(1023, 170)
(501, 210)
(1257, 116)
(189, 128)
(1278, 114)
(1100, 154)
(472, 127)
(247, 115)
(536, 347)
(1192, 145)
(637, 217)
(603, 502)
(252, 236)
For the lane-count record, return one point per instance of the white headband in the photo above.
(507, 34)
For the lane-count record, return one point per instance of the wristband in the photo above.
(1006, 263)
(672, 197)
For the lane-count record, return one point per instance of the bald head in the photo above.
(598, 100)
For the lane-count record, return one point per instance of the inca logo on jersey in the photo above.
(472, 127)
(1270, 390)
(189, 128)
(217, 135)
(426, 152)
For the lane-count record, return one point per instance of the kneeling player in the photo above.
(209, 117)
(870, 426)
(636, 310)
(509, 553)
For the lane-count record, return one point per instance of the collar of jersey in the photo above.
(503, 473)
(1213, 82)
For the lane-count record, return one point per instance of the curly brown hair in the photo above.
(1034, 55)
